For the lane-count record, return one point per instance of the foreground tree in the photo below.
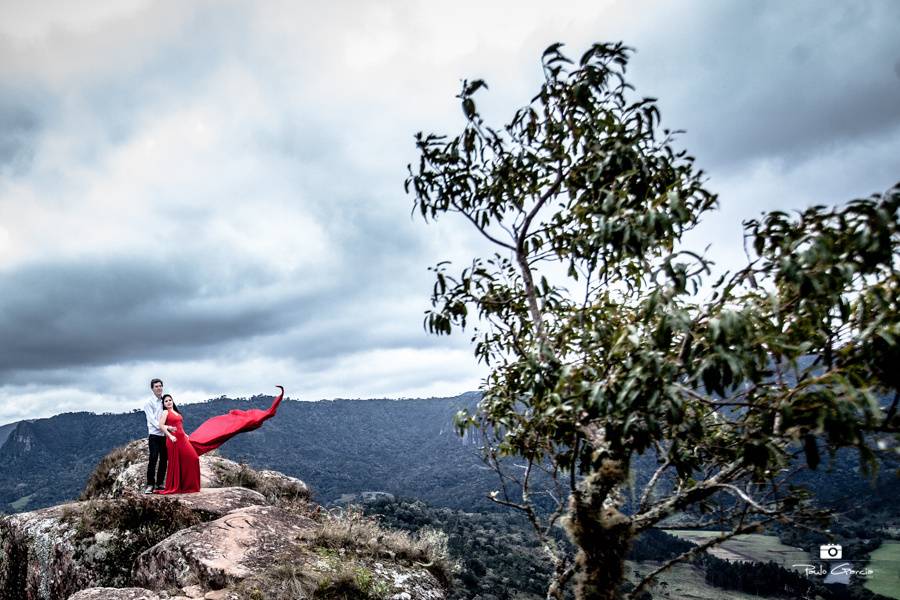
(606, 340)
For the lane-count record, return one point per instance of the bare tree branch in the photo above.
(645, 497)
(683, 498)
(891, 411)
(549, 193)
(736, 491)
(482, 230)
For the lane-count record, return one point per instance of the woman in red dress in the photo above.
(183, 475)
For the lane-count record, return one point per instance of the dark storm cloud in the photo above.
(69, 315)
(773, 79)
(79, 314)
(64, 316)
(297, 255)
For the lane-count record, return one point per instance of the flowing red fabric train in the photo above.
(218, 430)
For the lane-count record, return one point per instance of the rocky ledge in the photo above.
(247, 535)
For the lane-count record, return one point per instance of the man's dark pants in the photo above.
(157, 453)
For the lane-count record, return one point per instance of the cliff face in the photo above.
(248, 535)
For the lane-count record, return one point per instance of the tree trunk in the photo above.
(602, 534)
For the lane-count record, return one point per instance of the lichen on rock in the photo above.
(224, 551)
(108, 593)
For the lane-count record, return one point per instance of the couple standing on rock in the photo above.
(174, 465)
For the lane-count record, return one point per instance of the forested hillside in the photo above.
(410, 449)
(406, 447)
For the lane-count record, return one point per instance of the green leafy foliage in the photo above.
(607, 339)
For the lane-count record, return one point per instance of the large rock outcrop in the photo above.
(224, 542)
(224, 551)
(54, 551)
(123, 471)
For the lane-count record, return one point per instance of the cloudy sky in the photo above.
(211, 192)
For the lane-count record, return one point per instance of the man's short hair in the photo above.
(154, 382)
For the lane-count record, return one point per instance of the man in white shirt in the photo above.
(159, 458)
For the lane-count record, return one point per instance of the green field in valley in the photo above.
(885, 563)
(684, 582)
(750, 547)
(22, 502)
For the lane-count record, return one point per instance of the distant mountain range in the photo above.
(408, 448)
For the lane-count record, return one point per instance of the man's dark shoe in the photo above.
(159, 488)
(148, 489)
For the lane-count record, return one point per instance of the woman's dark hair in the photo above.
(174, 407)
